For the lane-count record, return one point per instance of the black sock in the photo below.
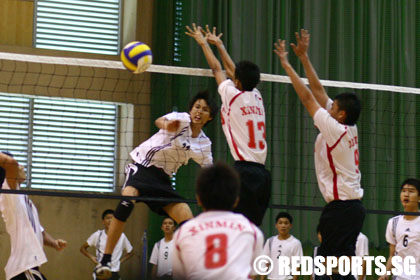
(106, 259)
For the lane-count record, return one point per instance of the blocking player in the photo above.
(243, 123)
(282, 244)
(217, 244)
(336, 154)
(403, 231)
(161, 257)
(20, 216)
(179, 139)
(98, 240)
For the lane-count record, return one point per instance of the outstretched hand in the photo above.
(211, 36)
(280, 50)
(302, 43)
(197, 33)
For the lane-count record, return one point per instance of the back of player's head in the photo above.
(248, 73)
(106, 212)
(349, 103)
(284, 215)
(218, 186)
(412, 182)
(205, 95)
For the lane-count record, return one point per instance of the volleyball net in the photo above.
(72, 123)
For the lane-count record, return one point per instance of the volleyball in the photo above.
(136, 57)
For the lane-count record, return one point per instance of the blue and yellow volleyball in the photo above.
(136, 57)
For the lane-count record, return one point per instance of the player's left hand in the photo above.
(302, 43)
(280, 50)
(196, 33)
(60, 244)
(211, 36)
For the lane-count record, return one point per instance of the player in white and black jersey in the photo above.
(98, 241)
(161, 257)
(336, 154)
(283, 244)
(179, 139)
(20, 216)
(243, 123)
(217, 244)
(403, 231)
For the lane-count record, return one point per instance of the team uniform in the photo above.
(156, 159)
(22, 223)
(243, 123)
(274, 248)
(98, 240)
(362, 248)
(338, 175)
(216, 245)
(405, 235)
(162, 258)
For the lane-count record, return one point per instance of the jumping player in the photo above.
(336, 154)
(403, 231)
(27, 236)
(243, 123)
(217, 244)
(179, 139)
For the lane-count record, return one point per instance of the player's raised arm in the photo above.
(214, 39)
(304, 93)
(214, 64)
(301, 51)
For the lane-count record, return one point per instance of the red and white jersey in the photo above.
(22, 223)
(243, 122)
(170, 150)
(405, 235)
(336, 158)
(216, 245)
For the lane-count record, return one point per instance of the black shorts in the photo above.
(340, 223)
(30, 274)
(151, 182)
(255, 190)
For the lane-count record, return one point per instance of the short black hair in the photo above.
(106, 212)
(167, 217)
(248, 73)
(350, 103)
(284, 215)
(413, 182)
(205, 94)
(218, 186)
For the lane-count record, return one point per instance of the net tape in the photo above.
(112, 64)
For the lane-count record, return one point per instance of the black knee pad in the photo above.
(123, 210)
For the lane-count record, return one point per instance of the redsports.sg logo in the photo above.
(319, 265)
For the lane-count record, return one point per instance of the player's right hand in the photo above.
(302, 43)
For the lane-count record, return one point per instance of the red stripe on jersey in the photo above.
(332, 166)
(235, 146)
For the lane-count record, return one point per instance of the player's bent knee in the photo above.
(123, 210)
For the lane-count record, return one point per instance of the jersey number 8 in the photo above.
(216, 251)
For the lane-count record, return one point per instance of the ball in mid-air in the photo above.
(136, 57)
